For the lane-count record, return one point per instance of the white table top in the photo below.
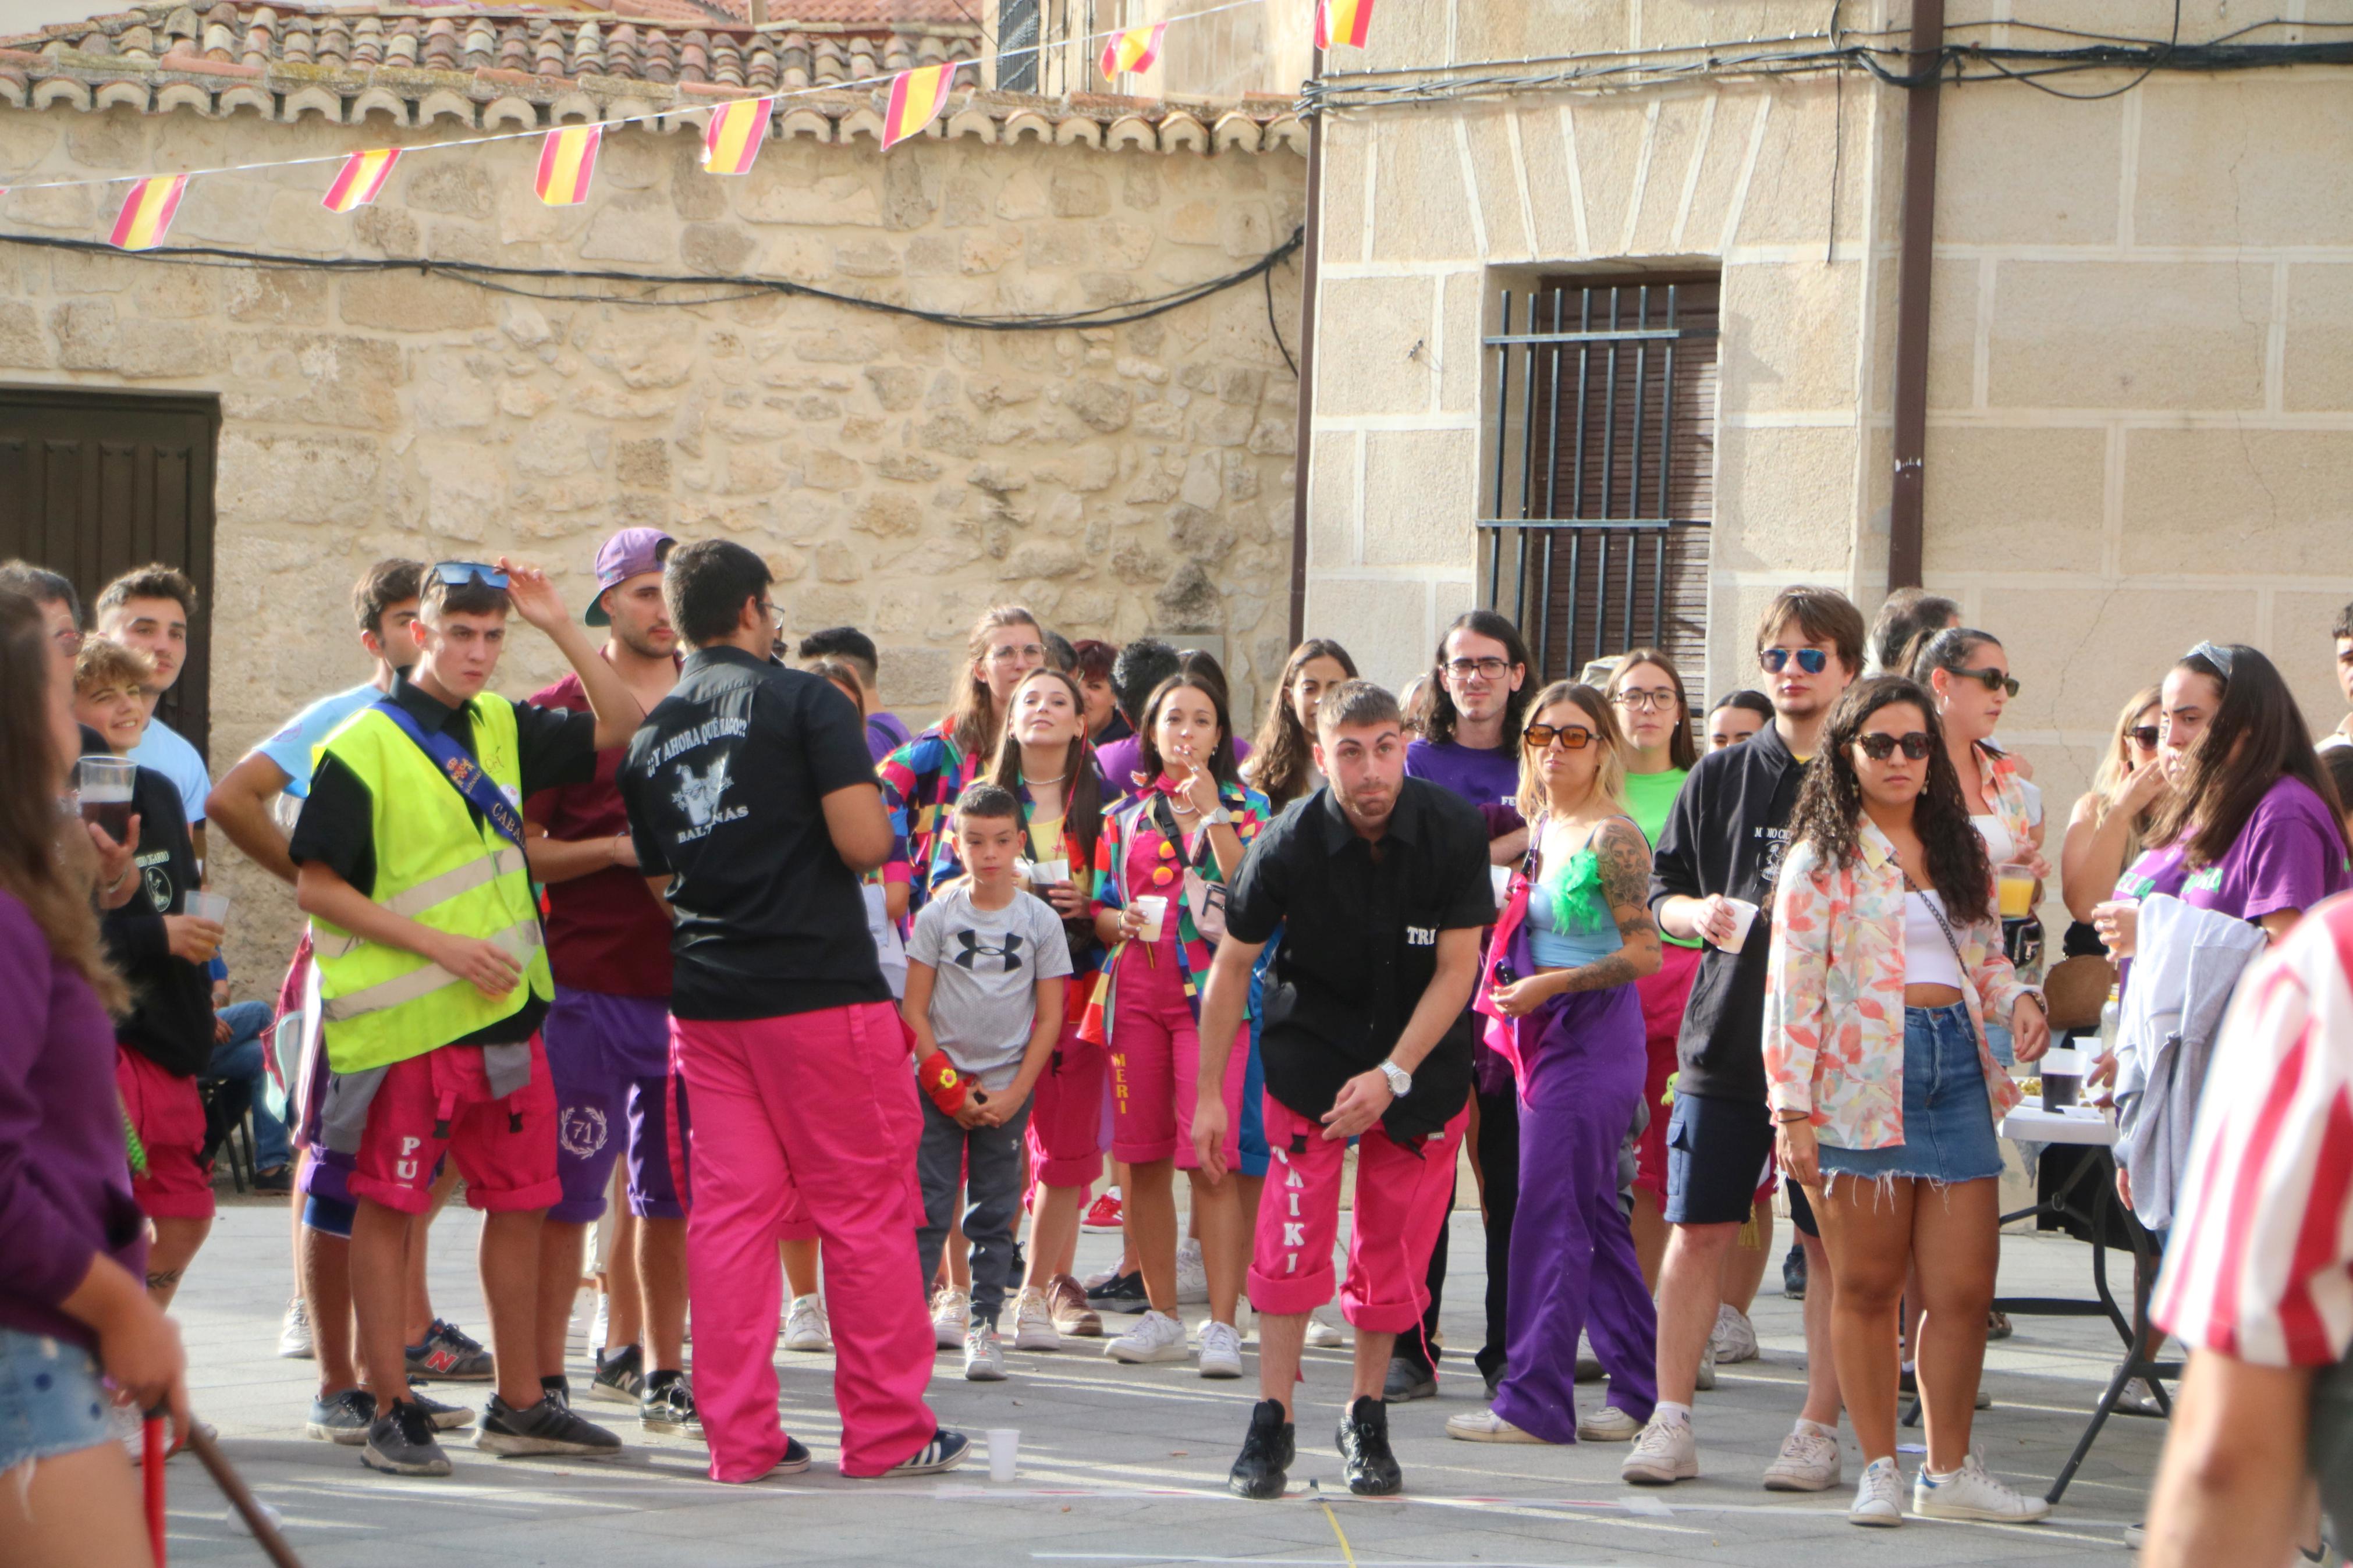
(2076, 1124)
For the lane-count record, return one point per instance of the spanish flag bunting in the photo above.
(916, 98)
(147, 212)
(733, 139)
(361, 180)
(567, 161)
(1132, 49)
(1343, 22)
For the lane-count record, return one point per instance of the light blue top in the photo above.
(166, 750)
(1568, 919)
(294, 746)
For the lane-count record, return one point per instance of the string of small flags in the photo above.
(731, 140)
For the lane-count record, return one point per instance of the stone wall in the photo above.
(900, 475)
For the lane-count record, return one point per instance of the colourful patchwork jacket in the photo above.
(921, 781)
(1086, 951)
(1132, 821)
(1833, 1032)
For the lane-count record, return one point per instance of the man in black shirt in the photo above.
(754, 807)
(1379, 883)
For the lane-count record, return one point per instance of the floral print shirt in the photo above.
(1833, 1032)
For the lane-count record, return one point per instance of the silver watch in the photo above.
(1400, 1080)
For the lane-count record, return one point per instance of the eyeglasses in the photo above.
(2145, 736)
(458, 573)
(1012, 653)
(1812, 660)
(1646, 702)
(1879, 747)
(1572, 737)
(1489, 669)
(775, 616)
(1995, 680)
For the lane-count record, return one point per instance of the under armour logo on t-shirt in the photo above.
(975, 950)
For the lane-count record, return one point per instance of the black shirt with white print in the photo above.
(724, 783)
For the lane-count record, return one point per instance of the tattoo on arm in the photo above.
(1625, 858)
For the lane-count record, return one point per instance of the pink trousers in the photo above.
(814, 1110)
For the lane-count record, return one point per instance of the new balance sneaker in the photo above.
(945, 1451)
(342, 1418)
(1222, 1350)
(1156, 1337)
(1033, 1322)
(1971, 1492)
(1122, 1293)
(1706, 1379)
(951, 1316)
(1486, 1426)
(1192, 1274)
(1072, 1314)
(449, 1354)
(806, 1328)
(1409, 1379)
(1809, 1461)
(400, 1442)
(1734, 1338)
(1364, 1438)
(548, 1427)
(668, 1406)
(1262, 1470)
(294, 1332)
(1879, 1496)
(1607, 1425)
(1104, 1213)
(984, 1357)
(445, 1417)
(1665, 1453)
(621, 1376)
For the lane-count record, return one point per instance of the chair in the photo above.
(228, 1105)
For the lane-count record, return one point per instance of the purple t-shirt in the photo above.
(2289, 855)
(885, 733)
(1118, 762)
(1481, 777)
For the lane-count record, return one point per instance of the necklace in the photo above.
(1057, 778)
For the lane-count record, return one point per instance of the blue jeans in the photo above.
(51, 1402)
(240, 1059)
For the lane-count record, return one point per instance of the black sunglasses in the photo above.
(1812, 660)
(458, 573)
(2145, 736)
(1572, 737)
(1995, 680)
(1878, 747)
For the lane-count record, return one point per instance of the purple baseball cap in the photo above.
(627, 554)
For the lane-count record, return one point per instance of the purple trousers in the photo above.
(1573, 1265)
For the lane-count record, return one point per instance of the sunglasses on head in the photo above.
(1812, 660)
(1572, 737)
(2145, 736)
(458, 573)
(1995, 680)
(1879, 747)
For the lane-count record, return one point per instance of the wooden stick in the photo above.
(241, 1498)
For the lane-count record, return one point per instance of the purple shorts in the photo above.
(608, 1058)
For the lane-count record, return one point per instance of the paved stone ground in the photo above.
(1126, 1466)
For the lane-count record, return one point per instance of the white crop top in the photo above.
(1928, 957)
(2001, 849)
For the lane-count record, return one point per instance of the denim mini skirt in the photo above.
(51, 1401)
(1947, 1115)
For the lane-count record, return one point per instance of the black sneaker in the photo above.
(1793, 1272)
(668, 1406)
(1260, 1469)
(449, 1355)
(1409, 1379)
(1123, 1294)
(1371, 1468)
(621, 1376)
(945, 1451)
(796, 1460)
(342, 1418)
(445, 1417)
(400, 1443)
(548, 1427)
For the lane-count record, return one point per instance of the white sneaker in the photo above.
(1707, 1366)
(1192, 1274)
(1156, 1337)
(806, 1328)
(1879, 1496)
(603, 1322)
(1970, 1492)
(1607, 1425)
(1665, 1453)
(1486, 1426)
(1033, 1322)
(1809, 1462)
(983, 1358)
(294, 1334)
(1734, 1338)
(1325, 1336)
(951, 1316)
(1222, 1350)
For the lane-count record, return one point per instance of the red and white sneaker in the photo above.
(1104, 1213)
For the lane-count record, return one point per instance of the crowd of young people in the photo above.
(851, 998)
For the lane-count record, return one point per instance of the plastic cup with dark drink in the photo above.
(103, 784)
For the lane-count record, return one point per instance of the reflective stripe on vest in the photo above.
(440, 889)
(516, 942)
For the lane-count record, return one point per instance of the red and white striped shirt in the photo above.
(2260, 1265)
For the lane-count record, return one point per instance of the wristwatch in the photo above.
(1400, 1080)
(1220, 818)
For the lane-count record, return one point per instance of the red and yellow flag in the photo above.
(1343, 22)
(567, 162)
(361, 180)
(733, 137)
(1132, 49)
(916, 98)
(147, 212)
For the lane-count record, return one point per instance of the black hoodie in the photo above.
(1725, 835)
(170, 1017)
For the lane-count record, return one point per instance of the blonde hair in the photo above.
(2117, 762)
(102, 662)
(1608, 783)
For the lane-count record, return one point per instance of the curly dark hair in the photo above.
(1829, 812)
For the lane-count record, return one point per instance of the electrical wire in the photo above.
(1275, 327)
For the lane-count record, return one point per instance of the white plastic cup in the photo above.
(213, 907)
(1502, 877)
(1045, 873)
(1744, 915)
(1004, 1452)
(1154, 908)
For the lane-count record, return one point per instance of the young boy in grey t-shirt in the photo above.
(986, 973)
